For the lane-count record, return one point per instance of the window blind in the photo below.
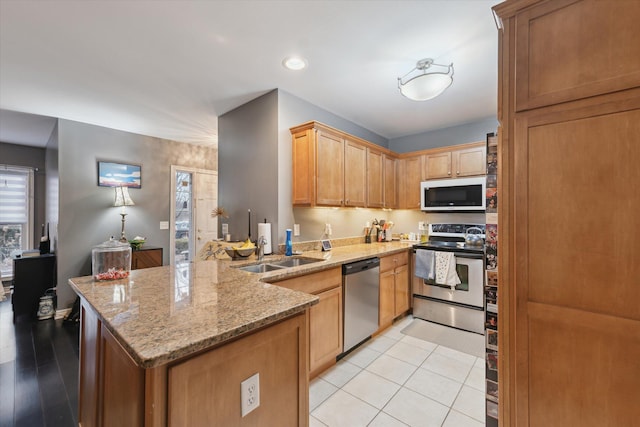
(14, 196)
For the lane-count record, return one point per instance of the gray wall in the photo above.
(461, 134)
(53, 185)
(33, 157)
(86, 214)
(248, 169)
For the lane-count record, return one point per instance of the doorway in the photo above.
(195, 195)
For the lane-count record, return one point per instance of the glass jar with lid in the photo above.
(111, 260)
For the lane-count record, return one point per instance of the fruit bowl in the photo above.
(245, 252)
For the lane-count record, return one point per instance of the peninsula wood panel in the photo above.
(569, 49)
(89, 367)
(207, 387)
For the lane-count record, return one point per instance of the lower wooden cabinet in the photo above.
(394, 288)
(198, 390)
(325, 318)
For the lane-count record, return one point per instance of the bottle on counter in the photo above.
(288, 245)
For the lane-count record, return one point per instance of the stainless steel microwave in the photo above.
(456, 194)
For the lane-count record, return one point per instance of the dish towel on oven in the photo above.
(446, 269)
(425, 264)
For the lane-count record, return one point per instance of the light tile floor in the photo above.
(398, 380)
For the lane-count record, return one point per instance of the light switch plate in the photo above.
(296, 229)
(164, 225)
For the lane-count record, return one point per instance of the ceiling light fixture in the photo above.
(425, 85)
(294, 63)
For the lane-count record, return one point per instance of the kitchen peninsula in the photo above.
(171, 345)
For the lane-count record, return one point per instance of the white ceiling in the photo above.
(170, 68)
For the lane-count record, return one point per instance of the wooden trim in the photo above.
(155, 389)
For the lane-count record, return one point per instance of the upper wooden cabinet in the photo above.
(355, 174)
(390, 182)
(456, 163)
(548, 69)
(333, 168)
(375, 178)
(410, 176)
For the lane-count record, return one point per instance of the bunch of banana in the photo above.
(248, 244)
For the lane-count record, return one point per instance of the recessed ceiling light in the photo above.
(295, 63)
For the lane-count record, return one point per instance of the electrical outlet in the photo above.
(421, 226)
(250, 394)
(296, 229)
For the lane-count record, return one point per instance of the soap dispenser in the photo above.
(288, 245)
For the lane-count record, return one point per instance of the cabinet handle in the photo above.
(449, 173)
(457, 172)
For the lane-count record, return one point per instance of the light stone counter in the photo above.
(165, 313)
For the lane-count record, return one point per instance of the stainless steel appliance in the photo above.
(458, 194)
(463, 306)
(361, 281)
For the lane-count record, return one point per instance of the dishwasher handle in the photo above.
(358, 266)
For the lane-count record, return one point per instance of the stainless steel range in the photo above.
(459, 305)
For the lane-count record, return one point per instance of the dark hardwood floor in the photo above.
(38, 371)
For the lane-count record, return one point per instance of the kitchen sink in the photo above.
(260, 268)
(278, 265)
(295, 262)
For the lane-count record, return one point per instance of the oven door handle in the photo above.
(468, 255)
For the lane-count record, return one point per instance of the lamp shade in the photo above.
(122, 197)
(425, 86)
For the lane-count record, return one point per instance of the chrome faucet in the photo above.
(261, 242)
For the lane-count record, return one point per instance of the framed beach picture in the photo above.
(119, 175)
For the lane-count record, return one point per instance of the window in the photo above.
(16, 214)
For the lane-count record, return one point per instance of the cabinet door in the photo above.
(146, 258)
(325, 330)
(375, 187)
(410, 176)
(304, 163)
(401, 289)
(438, 165)
(387, 299)
(355, 174)
(470, 161)
(330, 170)
(390, 182)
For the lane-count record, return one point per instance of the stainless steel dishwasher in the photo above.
(361, 282)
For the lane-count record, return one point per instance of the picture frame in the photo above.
(111, 174)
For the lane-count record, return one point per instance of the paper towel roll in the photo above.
(264, 230)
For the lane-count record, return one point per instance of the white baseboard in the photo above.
(60, 314)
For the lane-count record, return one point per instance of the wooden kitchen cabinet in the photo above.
(410, 176)
(146, 258)
(390, 182)
(355, 174)
(330, 169)
(469, 160)
(375, 178)
(569, 113)
(333, 168)
(325, 318)
(394, 288)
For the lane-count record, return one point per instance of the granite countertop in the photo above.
(162, 314)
